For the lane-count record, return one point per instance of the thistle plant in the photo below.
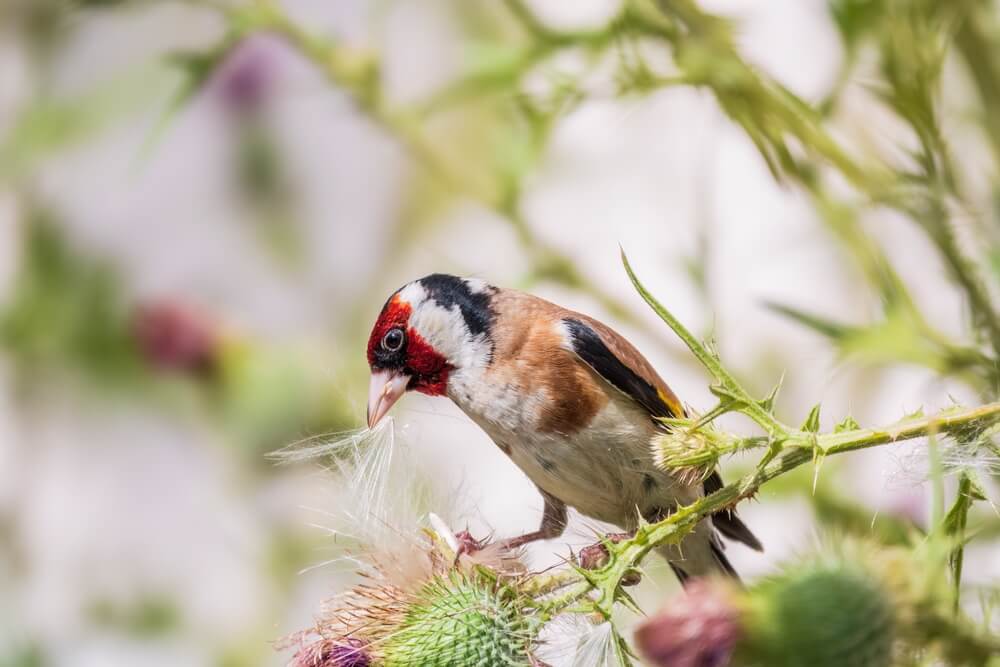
(449, 610)
(856, 604)
(870, 605)
(862, 609)
(911, 40)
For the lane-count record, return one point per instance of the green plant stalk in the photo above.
(800, 449)
(971, 364)
(939, 230)
(800, 121)
(360, 79)
(962, 505)
(955, 527)
(953, 421)
(705, 31)
(731, 388)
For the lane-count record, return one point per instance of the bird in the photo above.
(569, 400)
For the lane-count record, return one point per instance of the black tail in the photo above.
(726, 521)
(724, 564)
(699, 555)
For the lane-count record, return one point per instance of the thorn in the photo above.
(811, 424)
(818, 459)
(768, 402)
(725, 405)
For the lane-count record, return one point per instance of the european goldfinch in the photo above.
(569, 400)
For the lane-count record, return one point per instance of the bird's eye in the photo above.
(393, 340)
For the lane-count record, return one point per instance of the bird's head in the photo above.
(429, 332)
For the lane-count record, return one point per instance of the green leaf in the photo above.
(848, 423)
(768, 402)
(969, 491)
(66, 309)
(817, 323)
(727, 397)
(811, 424)
(727, 387)
(195, 68)
(855, 18)
(50, 124)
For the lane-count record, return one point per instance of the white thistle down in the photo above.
(597, 648)
(375, 473)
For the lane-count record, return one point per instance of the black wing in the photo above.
(649, 391)
(590, 347)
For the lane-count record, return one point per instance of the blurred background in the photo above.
(204, 206)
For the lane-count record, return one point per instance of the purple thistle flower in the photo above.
(346, 652)
(171, 335)
(246, 79)
(698, 629)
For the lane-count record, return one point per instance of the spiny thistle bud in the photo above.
(822, 616)
(461, 620)
(829, 616)
(425, 607)
(690, 453)
(699, 629)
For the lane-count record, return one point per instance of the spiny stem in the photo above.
(743, 402)
(627, 554)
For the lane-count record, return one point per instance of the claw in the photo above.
(467, 544)
(596, 556)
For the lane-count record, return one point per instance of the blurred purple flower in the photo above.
(700, 628)
(246, 79)
(173, 336)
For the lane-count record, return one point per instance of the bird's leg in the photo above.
(553, 523)
(596, 555)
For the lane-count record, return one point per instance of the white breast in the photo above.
(605, 470)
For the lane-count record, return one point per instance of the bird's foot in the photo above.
(596, 556)
(496, 556)
(467, 544)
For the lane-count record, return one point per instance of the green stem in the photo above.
(358, 77)
(731, 387)
(799, 450)
(962, 505)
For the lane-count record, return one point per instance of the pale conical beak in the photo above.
(385, 389)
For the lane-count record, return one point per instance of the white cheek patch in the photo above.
(477, 285)
(445, 330)
(413, 294)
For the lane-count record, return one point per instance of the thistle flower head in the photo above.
(825, 611)
(448, 613)
(247, 77)
(343, 653)
(173, 336)
(820, 616)
(461, 619)
(698, 629)
(691, 453)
